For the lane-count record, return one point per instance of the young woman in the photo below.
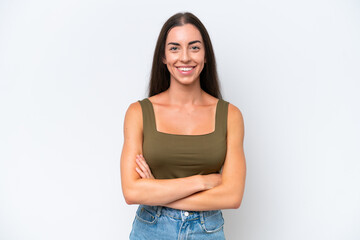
(182, 159)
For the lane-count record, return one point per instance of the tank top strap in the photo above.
(221, 117)
(149, 125)
(148, 117)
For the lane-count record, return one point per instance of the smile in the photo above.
(185, 70)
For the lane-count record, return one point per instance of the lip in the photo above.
(186, 72)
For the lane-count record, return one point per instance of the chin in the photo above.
(186, 82)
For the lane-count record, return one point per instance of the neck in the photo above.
(181, 94)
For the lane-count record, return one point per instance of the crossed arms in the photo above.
(194, 193)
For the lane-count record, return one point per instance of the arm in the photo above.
(230, 192)
(151, 191)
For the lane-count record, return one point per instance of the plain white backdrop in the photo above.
(69, 70)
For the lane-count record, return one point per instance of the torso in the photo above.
(181, 151)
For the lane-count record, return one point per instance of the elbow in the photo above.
(133, 195)
(236, 202)
(129, 201)
(129, 197)
(232, 198)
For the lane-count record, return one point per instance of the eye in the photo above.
(195, 48)
(173, 48)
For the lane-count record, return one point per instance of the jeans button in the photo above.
(186, 214)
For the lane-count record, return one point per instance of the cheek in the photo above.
(201, 61)
(200, 58)
(170, 59)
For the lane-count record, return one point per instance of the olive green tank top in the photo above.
(174, 155)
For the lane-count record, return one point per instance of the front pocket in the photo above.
(214, 222)
(146, 215)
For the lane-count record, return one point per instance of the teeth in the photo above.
(186, 69)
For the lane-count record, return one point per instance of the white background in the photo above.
(69, 69)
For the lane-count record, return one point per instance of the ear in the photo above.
(164, 60)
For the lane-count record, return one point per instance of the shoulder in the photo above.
(234, 112)
(133, 115)
(134, 109)
(235, 119)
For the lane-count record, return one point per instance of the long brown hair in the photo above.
(160, 76)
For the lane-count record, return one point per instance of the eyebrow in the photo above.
(177, 44)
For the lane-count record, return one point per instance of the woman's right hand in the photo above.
(211, 180)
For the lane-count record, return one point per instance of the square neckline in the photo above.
(185, 135)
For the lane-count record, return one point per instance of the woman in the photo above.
(179, 139)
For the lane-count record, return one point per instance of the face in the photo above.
(184, 54)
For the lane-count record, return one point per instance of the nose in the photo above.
(184, 56)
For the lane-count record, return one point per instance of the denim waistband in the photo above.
(179, 214)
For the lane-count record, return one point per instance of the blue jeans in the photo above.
(163, 223)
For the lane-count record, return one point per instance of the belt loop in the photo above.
(202, 217)
(158, 213)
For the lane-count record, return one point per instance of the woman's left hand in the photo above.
(143, 170)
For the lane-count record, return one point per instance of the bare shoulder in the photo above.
(134, 110)
(235, 122)
(234, 114)
(133, 116)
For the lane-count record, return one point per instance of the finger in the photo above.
(146, 166)
(144, 163)
(142, 167)
(142, 175)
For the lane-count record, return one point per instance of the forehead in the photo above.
(184, 34)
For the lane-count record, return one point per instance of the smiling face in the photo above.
(184, 54)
